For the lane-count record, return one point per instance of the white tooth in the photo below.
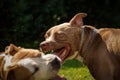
(46, 51)
(52, 51)
(41, 50)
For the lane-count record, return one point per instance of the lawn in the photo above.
(74, 70)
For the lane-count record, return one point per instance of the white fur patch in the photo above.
(43, 63)
(51, 37)
(28, 63)
(51, 56)
(7, 59)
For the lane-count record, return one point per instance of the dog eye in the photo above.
(6, 48)
(47, 35)
(60, 36)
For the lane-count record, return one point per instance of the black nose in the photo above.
(56, 63)
(35, 70)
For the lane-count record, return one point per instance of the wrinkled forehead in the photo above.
(59, 27)
(65, 27)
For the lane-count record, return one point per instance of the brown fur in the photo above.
(19, 53)
(44, 66)
(2, 62)
(99, 48)
(17, 72)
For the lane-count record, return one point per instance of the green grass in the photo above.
(74, 70)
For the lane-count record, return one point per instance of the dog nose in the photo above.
(44, 45)
(56, 63)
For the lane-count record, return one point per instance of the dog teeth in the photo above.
(52, 51)
(41, 50)
(48, 51)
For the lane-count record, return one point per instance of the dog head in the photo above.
(63, 39)
(30, 64)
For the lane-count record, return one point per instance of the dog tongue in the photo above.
(58, 78)
(63, 53)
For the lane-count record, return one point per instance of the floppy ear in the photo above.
(17, 72)
(12, 49)
(77, 20)
(2, 62)
(9, 74)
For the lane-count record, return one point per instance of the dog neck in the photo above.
(84, 47)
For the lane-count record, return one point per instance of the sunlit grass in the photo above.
(74, 70)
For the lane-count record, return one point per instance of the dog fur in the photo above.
(28, 64)
(98, 48)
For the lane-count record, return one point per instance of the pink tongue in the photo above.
(58, 78)
(63, 53)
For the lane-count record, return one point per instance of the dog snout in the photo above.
(56, 63)
(44, 46)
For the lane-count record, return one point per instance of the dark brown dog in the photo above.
(99, 48)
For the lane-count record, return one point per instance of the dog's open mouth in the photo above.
(63, 52)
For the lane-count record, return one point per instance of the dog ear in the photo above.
(12, 49)
(2, 62)
(9, 74)
(17, 72)
(77, 20)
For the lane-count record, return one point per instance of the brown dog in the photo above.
(28, 64)
(98, 48)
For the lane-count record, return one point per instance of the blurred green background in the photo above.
(24, 22)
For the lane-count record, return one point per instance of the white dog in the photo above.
(28, 64)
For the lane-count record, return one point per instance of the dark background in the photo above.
(24, 22)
